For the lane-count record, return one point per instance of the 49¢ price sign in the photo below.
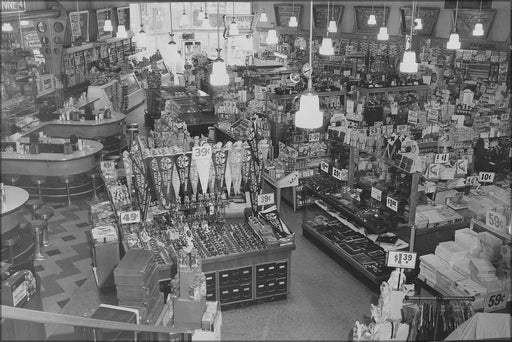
(401, 259)
(266, 199)
(496, 300)
(200, 152)
(128, 217)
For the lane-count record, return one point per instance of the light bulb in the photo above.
(309, 115)
(293, 21)
(121, 32)
(479, 30)
(206, 22)
(372, 20)
(418, 25)
(219, 76)
(383, 33)
(408, 63)
(108, 26)
(7, 27)
(332, 28)
(326, 47)
(272, 37)
(453, 42)
(233, 28)
(263, 17)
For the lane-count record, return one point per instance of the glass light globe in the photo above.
(233, 28)
(200, 14)
(453, 42)
(293, 22)
(309, 115)
(383, 34)
(206, 22)
(219, 76)
(408, 63)
(326, 47)
(479, 30)
(108, 26)
(263, 17)
(121, 32)
(332, 28)
(372, 20)
(418, 25)
(272, 37)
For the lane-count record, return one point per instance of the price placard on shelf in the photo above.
(392, 203)
(266, 199)
(314, 137)
(486, 177)
(495, 220)
(200, 152)
(472, 180)
(376, 194)
(336, 173)
(442, 158)
(128, 217)
(324, 166)
(496, 300)
(401, 259)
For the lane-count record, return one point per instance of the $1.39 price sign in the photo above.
(314, 137)
(401, 259)
(266, 199)
(392, 203)
(442, 158)
(199, 152)
(496, 300)
(336, 173)
(130, 217)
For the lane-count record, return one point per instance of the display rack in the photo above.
(132, 93)
(108, 93)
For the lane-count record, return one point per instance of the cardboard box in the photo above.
(189, 311)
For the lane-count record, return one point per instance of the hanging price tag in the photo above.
(495, 220)
(401, 259)
(130, 217)
(496, 300)
(336, 173)
(392, 203)
(314, 137)
(376, 194)
(324, 166)
(200, 152)
(266, 199)
(486, 177)
(472, 180)
(442, 158)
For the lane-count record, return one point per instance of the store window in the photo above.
(188, 25)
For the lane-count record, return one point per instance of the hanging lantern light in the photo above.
(418, 25)
(332, 28)
(206, 22)
(293, 21)
(107, 27)
(408, 63)
(383, 33)
(184, 18)
(219, 75)
(263, 17)
(479, 27)
(453, 41)
(121, 32)
(200, 14)
(7, 27)
(309, 115)
(326, 47)
(233, 26)
(272, 36)
(372, 20)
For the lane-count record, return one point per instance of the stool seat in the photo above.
(66, 179)
(36, 224)
(38, 179)
(93, 175)
(44, 213)
(34, 204)
(101, 140)
(103, 154)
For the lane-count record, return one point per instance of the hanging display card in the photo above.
(123, 16)
(428, 16)
(246, 24)
(79, 22)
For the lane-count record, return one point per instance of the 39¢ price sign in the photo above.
(401, 259)
(486, 177)
(200, 152)
(266, 199)
(496, 300)
(128, 217)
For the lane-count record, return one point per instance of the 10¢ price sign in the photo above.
(401, 259)
(266, 199)
(128, 217)
(496, 300)
(200, 152)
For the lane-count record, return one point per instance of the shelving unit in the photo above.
(132, 93)
(107, 93)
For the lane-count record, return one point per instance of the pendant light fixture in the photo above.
(141, 24)
(233, 26)
(184, 17)
(206, 20)
(309, 115)
(200, 14)
(293, 19)
(272, 36)
(107, 27)
(453, 41)
(219, 75)
(418, 24)
(326, 47)
(479, 27)
(263, 16)
(372, 21)
(408, 63)
(121, 32)
(332, 27)
(383, 31)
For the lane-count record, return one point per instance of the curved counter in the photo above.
(16, 198)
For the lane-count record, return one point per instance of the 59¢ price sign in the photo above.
(496, 300)
(266, 199)
(128, 217)
(401, 259)
(200, 152)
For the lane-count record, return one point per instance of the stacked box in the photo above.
(429, 264)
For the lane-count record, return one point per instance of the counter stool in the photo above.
(9, 243)
(93, 175)
(39, 180)
(115, 159)
(33, 205)
(45, 213)
(119, 137)
(13, 179)
(67, 180)
(37, 226)
(103, 154)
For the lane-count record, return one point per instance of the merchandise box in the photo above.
(189, 311)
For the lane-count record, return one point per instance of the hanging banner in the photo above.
(161, 171)
(203, 167)
(219, 160)
(183, 167)
(13, 6)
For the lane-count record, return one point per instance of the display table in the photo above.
(290, 180)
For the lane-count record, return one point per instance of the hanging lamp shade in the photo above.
(383, 33)
(293, 21)
(108, 26)
(418, 25)
(479, 30)
(332, 28)
(206, 22)
(326, 47)
(200, 14)
(309, 115)
(184, 18)
(121, 32)
(219, 75)
(408, 63)
(263, 17)
(372, 20)
(7, 27)
(233, 28)
(272, 37)
(453, 42)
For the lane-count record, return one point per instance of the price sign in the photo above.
(392, 203)
(442, 158)
(107, 165)
(496, 300)
(336, 173)
(376, 194)
(412, 117)
(486, 177)
(472, 180)
(314, 137)
(401, 259)
(130, 217)
(505, 117)
(266, 199)
(200, 152)
(324, 166)
(495, 220)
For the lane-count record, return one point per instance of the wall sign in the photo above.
(101, 16)
(246, 24)
(13, 6)
(428, 16)
(362, 15)
(320, 17)
(79, 25)
(466, 20)
(285, 11)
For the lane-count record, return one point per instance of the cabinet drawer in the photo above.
(281, 285)
(261, 288)
(210, 280)
(281, 269)
(271, 286)
(246, 275)
(246, 291)
(224, 278)
(236, 293)
(261, 271)
(225, 295)
(210, 293)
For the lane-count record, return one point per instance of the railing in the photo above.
(14, 313)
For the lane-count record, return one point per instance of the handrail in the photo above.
(37, 316)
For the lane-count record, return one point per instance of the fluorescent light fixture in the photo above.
(326, 47)
(372, 20)
(333, 27)
(479, 30)
(453, 42)
(408, 63)
(383, 33)
(293, 21)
